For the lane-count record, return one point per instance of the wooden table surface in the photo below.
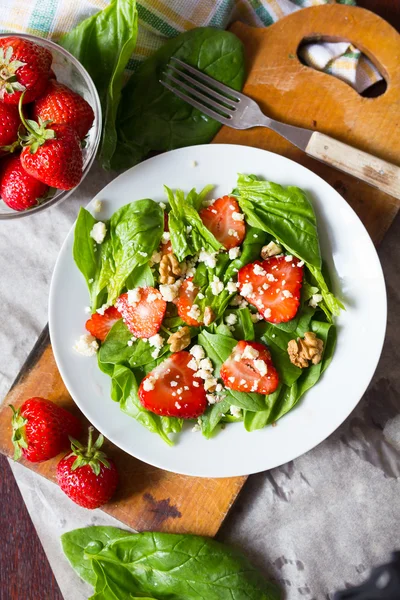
(24, 570)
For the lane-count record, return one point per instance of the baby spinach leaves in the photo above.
(162, 566)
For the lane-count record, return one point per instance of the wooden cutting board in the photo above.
(152, 499)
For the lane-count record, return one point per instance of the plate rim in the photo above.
(122, 445)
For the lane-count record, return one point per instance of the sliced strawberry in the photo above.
(142, 315)
(219, 218)
(100, 324)
(250, 369)
(173, 390)
(273, 287)
(187, 293)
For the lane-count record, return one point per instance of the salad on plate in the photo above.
(209, 311)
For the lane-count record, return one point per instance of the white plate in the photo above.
(357, 277)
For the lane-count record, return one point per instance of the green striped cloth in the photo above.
(161, 19)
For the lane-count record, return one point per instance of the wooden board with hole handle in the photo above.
(149, 498)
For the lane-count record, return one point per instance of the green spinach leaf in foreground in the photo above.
(150, 118)
(162, 565)
(84, 249)
(104, 43)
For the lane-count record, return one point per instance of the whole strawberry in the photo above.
(41, 429)
(52, 155)
(18, 189)
(9, 124)
(24, 67)
(86, 475)
(60, 104)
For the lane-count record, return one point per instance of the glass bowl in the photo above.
(70, 72)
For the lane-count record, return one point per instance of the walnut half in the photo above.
(180, 339)
(170, 269)
(271, 249)
(301, 351)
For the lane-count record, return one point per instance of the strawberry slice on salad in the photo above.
(172, 389)
(186, 309)
(143, 310)
(100, 324)
(273, 287)
(225, 221)
(250, 369)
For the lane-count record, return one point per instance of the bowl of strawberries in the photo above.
(50, 124)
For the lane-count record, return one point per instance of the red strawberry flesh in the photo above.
(18, 189)
(143, 316)
(250, 369)
(99, 324)
(172, 389)
(222, 218)
(187, 294)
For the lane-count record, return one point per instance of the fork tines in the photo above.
(201, 91)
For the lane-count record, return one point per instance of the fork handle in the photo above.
(375, 171)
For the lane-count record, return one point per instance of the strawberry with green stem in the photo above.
(86, 475)
(52, 155)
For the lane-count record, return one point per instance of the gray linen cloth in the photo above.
(316, 524)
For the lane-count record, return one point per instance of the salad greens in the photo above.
(124, 566)
(126, 259)
(104, 43)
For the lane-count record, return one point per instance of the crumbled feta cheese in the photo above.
(91, 280)
(231, 319)
(265, 286)
(179, 391)
(250, 352)
(134, 296)
(87, 345)
(193, 163)
(243, 303)
(237, 216)
(192, 364)
(301, 263)
(261, 367)
(203, 374)
(234, 253)
(271, 249)
(196, 428)
(242, 381)
(157, 341)
(287, 294)
(206, 364)
(194, 312)
(208, 258)
(155, 353)
(231, 286)
(196, 384)
(173, 384)
(190, 286)
(141, 253)
(98, 232)
(156, 257)
(236, 411)
(97, 206)
(178, 406)
(247, 289)
(270, 277)
(212, 399)
(87, 310)
(197, 352)
(170, 291)
(152, 297)
(200, 296)
(258, 270)
(233, 233)
(149, 383)
(289, 258)
(209, 202)
(219, 387)
(210, 384)
(314, 300)
(165, 237)
(267, 313)
(130, 343)
(232, 379)
(256, 317)
(188, 229)
(217, 286)
(163, 205)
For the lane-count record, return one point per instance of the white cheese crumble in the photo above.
(232, 379)
(233, 233)
(256, 317)
(165, 237)
(196, 428)
(236, 411)
(170, 291)
(301, 263)
(210, 384)
(231, 286)
(156, 257)
(203, 373)
(98, 232)
(193, 163)
(200, 296)
(152, 297)
(234, 253)
(130, 343)
(261, 367)
(206, 364)
(267, 313)
(148, 384)
(237, 216)
(97, 206)
(289, 258)
(272, 249)
(102, 309)
(141, 253)
(163, 205)
(197, 352)
(212, 399)
(314, 300)
(270, 277)
(190, 286)
(194, 312)
(217, 286)
(178, 406)
(87, 345)
(258, 270)
(208, 258)
(247, 289)
(155, 353)
(87, 310)
(287, 294)
(231, 319)
(192, 364)
(134, 296)
(250, 352)
(157, 341)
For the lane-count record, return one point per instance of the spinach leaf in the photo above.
(250, 251)
(213, 415)
(84, 246)
(115, 350)
(277, 342)
(183, 215)
(162, 565)
(141, 276)
(135, 230)
(104, 43)
(150, 118)
(244, 327)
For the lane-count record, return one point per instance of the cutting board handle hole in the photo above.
(374, 91)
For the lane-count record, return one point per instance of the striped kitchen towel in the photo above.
(161, 19)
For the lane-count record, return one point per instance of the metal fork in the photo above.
(236, 110)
